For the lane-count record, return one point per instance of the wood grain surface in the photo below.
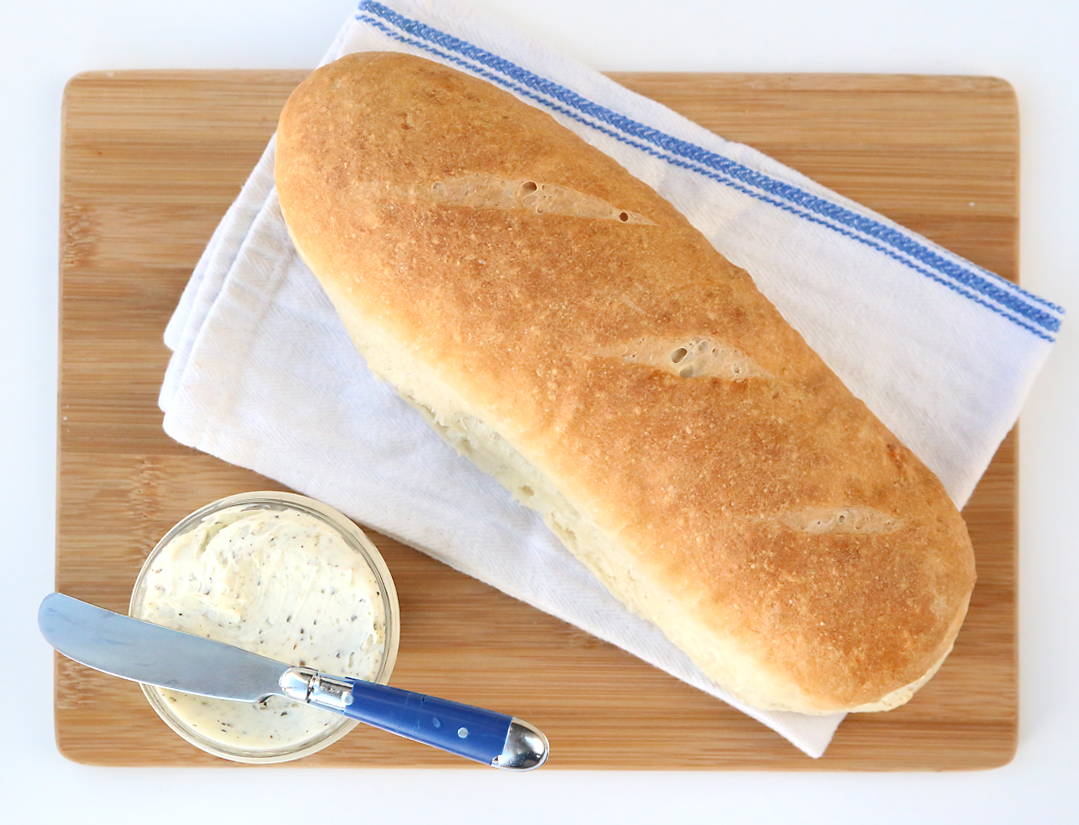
(151, 161)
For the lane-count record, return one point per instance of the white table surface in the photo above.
(1031, 43)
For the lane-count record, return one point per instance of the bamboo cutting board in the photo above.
(151, 160)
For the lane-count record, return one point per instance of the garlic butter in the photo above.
(280, 581)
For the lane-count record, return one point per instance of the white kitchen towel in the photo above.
(264, 376)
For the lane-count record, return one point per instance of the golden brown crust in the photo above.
(583, 319)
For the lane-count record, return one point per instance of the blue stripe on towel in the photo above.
(685, 165)
(1008, 298)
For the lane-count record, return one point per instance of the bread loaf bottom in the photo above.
(564, 327)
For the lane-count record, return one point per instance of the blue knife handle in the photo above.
(484, 736)
(464, 730)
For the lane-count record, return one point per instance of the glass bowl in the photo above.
(181, 711)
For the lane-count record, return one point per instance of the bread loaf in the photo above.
(566, 328)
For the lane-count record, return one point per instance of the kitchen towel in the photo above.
(264, 376)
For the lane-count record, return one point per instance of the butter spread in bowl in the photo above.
(282, 576)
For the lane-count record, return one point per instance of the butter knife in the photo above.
(156, 655)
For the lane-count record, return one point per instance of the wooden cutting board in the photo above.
(151, 160)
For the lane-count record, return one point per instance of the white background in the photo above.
(1032, 44)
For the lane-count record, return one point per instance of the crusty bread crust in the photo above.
(567, 328)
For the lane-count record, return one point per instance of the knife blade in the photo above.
(155, 655)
